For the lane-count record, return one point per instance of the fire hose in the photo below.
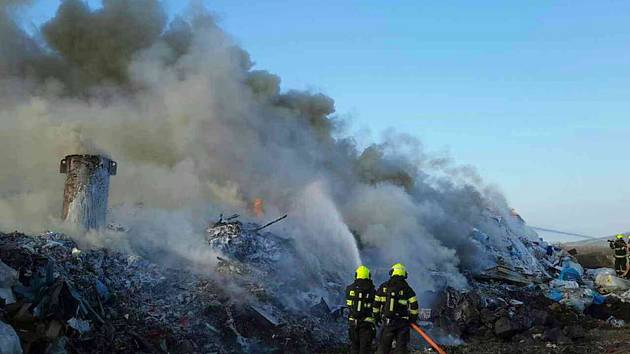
(428, 339)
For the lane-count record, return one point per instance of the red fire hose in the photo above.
(428, 339)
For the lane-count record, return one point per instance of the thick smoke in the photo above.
(196, 131)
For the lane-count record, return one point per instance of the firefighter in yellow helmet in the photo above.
(397, 307)
(621, 254)
(360, 297)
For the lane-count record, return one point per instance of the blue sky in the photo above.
(533, 93)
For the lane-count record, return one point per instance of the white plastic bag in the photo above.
(610, 282)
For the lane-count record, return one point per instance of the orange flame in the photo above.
(257, 207)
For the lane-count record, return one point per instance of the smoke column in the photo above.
(196, 131)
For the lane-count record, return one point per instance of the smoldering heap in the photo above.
(60, 299)
(200, 131)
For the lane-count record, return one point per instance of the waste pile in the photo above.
(57, 298)
(551, 300)
(246, 244)
(258, 259)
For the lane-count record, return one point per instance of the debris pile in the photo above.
(58, 298)
(245, 243)
(263, 260)
(547, 302)
(508, 312)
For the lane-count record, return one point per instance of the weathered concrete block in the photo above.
(86, 189)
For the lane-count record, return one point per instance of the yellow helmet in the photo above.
(398, 269)
(362, 273)
(620, 236)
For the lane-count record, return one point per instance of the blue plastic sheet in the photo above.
(555, 295)
(568, 273)
(598, 298)
(571, 271)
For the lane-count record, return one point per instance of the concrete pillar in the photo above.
(86, 189)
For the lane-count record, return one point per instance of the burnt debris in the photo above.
(59, 298)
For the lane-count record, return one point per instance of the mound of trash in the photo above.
(58, 298)
(554, 307)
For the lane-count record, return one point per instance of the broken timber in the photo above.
(270, 223)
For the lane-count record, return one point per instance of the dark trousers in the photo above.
(361, 336)
(396, 331)
(620, 264)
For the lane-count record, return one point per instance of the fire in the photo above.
(257, 207)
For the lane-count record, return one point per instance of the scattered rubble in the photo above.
(515, 309)
(67, 300)
(59, 298)
(9, 341)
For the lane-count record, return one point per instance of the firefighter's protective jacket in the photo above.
(620, 247)
(395, 299)
(360, 296)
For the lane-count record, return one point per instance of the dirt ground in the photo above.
(598, 340)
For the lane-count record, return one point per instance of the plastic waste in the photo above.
(611, 283)
(564, 284)
(571, 270)
(615, 322)
(81, 326)
(593, 273)
(8, 278)
(555, 295)
(9, 341)
(549, 250)
(598, 298)
(571, 294)
(577, 299)
(102, 290)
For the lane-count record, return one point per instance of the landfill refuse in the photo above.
(611, 283)
(245, 243)
(9, 341)
(69, 299)
(564, 284)
(577, 299)
(103, 301)
(81, 326)
(593, 273)
(8, 278)
(615, 322)
(571, 270)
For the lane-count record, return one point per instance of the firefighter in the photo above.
(360, 297)
(621, 254)
(397, 308)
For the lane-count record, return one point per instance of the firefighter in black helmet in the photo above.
(397, 306)
(360, 297)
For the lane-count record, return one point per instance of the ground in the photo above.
(597, 340)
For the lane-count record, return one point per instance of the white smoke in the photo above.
(196, 131)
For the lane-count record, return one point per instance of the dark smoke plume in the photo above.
(197, 131)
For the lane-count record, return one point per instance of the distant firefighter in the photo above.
(621, 254)
(360, 297)
(398, 308)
